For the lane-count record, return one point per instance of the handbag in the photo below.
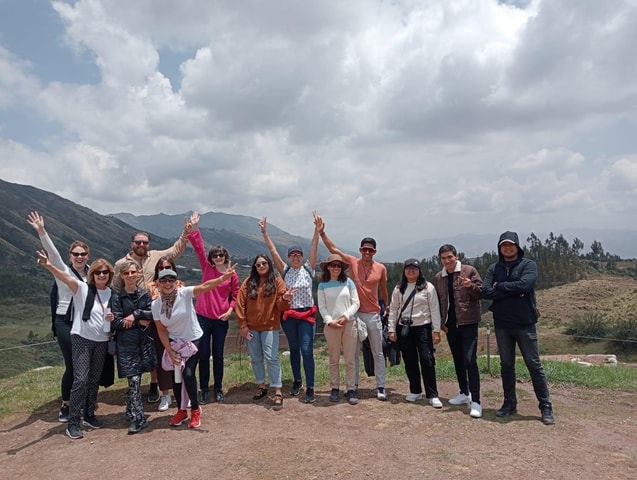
(149, 353)
(112, 345)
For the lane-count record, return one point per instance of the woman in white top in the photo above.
(338, 303)
(178, 327)
(89, 337)
(414, 318)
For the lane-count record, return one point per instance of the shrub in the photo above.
(589, 327)
(624, 334)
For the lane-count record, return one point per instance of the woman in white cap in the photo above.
(338, 303)
(180, 333)
(414, 318)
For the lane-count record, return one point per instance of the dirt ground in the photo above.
(595, 438)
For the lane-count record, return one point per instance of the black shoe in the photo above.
(547, 416)
(73, 431)
(334, 395)
(63, 416)
(507, 408)
(153, 393)
(296, 388)
(91, 421)
(309, 395)
(204, 397)
(137, 426)
(220, 397)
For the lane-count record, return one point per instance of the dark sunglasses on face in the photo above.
(130, 273)
(335, 265)
(260, 264)
(367, 250)
(101, 272)
(218, 255)
(165, 267)
(140, 242)
(167, 280)
(79, 254)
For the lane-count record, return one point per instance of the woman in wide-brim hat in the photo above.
(338, 303)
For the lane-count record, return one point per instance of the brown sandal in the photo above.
(261, 392)
(278, 401)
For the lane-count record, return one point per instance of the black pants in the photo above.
(63, 334)
(463, 343)
(189, 379)
(418, 354)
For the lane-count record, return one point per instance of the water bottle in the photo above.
(106, 325)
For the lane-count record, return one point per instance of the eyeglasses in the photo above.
(79, 254)
(295, 254)
(165, 267)
(218, 255)
(167, 280)
(367, 250)
(141, 242)
(101, 272)
(130, 273)
(260, 264)
(335, 265)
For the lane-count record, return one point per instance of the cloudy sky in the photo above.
(402, 119)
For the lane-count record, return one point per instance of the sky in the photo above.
(402, 120)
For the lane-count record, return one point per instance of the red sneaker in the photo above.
(195, 418)
(178, 418)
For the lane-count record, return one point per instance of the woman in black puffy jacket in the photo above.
(132, 315)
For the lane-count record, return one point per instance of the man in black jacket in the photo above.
(510, 283)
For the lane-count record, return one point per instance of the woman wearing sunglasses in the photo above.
(89, 337)
(214, 309)
(262, 298)
(338, 303)
(62, 300)
(180, 333)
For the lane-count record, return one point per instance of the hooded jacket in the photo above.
(511, 287)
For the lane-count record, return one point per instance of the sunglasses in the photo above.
(141, 242)
(130, 273)
(367, 250)
(101, 272)
(79, 254)
(165, 267)
(167, 280)
(218, 255)
(260, 264)
(296, 254)
(335, 265)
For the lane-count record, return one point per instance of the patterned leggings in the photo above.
(134, 403)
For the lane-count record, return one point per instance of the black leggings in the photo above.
(63, 334)
(189, 379)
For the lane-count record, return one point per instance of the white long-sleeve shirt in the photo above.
(337, 298)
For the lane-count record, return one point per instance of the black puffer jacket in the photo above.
(511, 286)
(129, 340)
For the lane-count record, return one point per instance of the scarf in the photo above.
(167, 302)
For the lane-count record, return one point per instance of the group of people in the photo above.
(163, 327)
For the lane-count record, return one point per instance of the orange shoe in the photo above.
(195, 418)
(179, 418)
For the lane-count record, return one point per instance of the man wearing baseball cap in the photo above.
(510, 284)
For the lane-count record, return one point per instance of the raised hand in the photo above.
(42, 258)
(36, 221)
(262, 224)
(194, 221)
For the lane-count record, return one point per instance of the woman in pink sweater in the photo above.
(214, 309)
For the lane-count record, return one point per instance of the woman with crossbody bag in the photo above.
(414, 319)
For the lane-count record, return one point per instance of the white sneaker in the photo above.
(435, 402)
(164, 403)
(460, 399)
(381, 394)
(476, 410)
(412, 397)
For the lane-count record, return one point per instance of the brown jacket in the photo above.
(467, 300)
(263, 313)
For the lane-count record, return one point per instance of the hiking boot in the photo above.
(164, 404)
(351, 397)
(547, 416)
(460, 399)
(204, 397)
(309, 395)
(153, 393)
(435, 402)
(412, 397)
(220, 397)
(296, 388)
(64, 414)
(381, 394)
(476, 410)
(179, 418)
(137, 426)
(334, 395)
(73, 431)
(195, 418)
(91, 421)
(507, 408)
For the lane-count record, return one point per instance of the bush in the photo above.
(624, 335)
(590, 327)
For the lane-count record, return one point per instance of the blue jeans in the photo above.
(264, 348)
(215, 330)
(526, 339)
(418, 354)
(463, 343)
(300, 335)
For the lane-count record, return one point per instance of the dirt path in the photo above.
(595, 438)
